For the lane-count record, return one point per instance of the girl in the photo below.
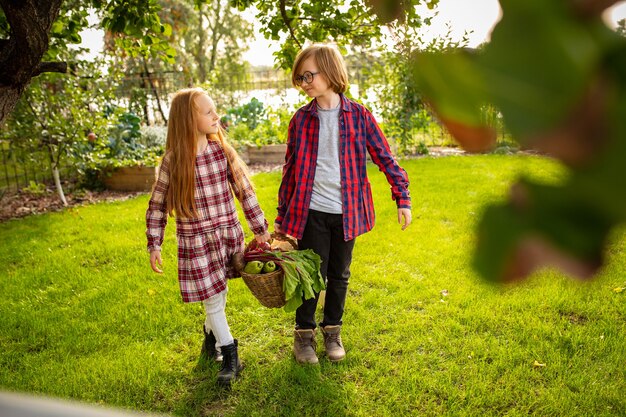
(325, 198)
(198, 172)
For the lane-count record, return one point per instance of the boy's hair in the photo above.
(330, 63)
(181, 145)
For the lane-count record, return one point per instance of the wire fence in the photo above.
(18, 167)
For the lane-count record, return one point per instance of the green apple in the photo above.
(269, 266)
(253, 267)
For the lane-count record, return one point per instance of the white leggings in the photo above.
(215, 308)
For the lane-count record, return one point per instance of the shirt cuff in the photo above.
(261, 230)
(403, 203)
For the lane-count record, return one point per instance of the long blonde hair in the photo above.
(181, 149)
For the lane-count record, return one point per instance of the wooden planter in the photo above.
(139, 178)
(268, 154)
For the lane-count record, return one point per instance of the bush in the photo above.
(130, 145)
(271, 130)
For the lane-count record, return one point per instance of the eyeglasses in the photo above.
(307, 77)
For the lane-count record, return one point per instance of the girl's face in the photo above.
(207, 119)
(317, 86)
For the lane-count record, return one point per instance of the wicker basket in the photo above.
(267, 288)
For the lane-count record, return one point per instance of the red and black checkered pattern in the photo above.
(359, 134)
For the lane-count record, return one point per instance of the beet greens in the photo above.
(301, 269)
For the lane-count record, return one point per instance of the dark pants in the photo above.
(324, 234)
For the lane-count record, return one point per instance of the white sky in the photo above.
(476, 16)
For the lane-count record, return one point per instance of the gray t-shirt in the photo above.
(327, 184)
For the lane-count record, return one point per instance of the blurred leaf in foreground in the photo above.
(557, 74)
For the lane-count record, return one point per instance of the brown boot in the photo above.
(332, 343)
(304, 345)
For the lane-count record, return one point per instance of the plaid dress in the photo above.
(206, 243)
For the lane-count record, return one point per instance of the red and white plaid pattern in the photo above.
(205, 243)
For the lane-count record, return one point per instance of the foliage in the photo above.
(57, 113)
(294, 23)
(250, 113)
(253, 125)
(84, 318)
(209, 39)
(34, 188)
(153, 136)
(126, 146)
(390, 79)
(137, 28)
(352, 25)
(135, 22)
(560, 88)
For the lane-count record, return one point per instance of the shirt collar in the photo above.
(346, 105)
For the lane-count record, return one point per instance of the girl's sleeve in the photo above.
(378, 148)
(287, 184)
(250, 205)
(156, 215)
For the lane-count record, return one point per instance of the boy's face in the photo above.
(313, 83)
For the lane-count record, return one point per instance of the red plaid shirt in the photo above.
(359, 134)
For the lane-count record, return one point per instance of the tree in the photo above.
(33, 32)
(562, 91)
(403, 109)
(63, 116)
(208, 40)
(350, 24)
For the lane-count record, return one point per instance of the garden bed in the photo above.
(21, 204)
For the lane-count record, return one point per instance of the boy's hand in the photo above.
(155, 258)
(406, 214)
(277, 228)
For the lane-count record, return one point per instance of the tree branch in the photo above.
(283, 14)
(50, 67)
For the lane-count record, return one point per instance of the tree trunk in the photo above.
(215, 34)
(9, 95)
(57, 184)
(154, 90)
(200, 50)
(20, 55)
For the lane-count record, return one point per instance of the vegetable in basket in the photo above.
(302, 273)
(253, 267)
(270, 266)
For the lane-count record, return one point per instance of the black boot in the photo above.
(208, 347)
(231, 366)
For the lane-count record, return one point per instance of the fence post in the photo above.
(4, 164)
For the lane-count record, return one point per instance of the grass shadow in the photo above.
(266, 387)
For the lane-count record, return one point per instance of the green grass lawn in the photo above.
(83, 317)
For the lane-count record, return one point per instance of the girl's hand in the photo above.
(277, 229)
(265, 237)
(155, 258)
(406, 214)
